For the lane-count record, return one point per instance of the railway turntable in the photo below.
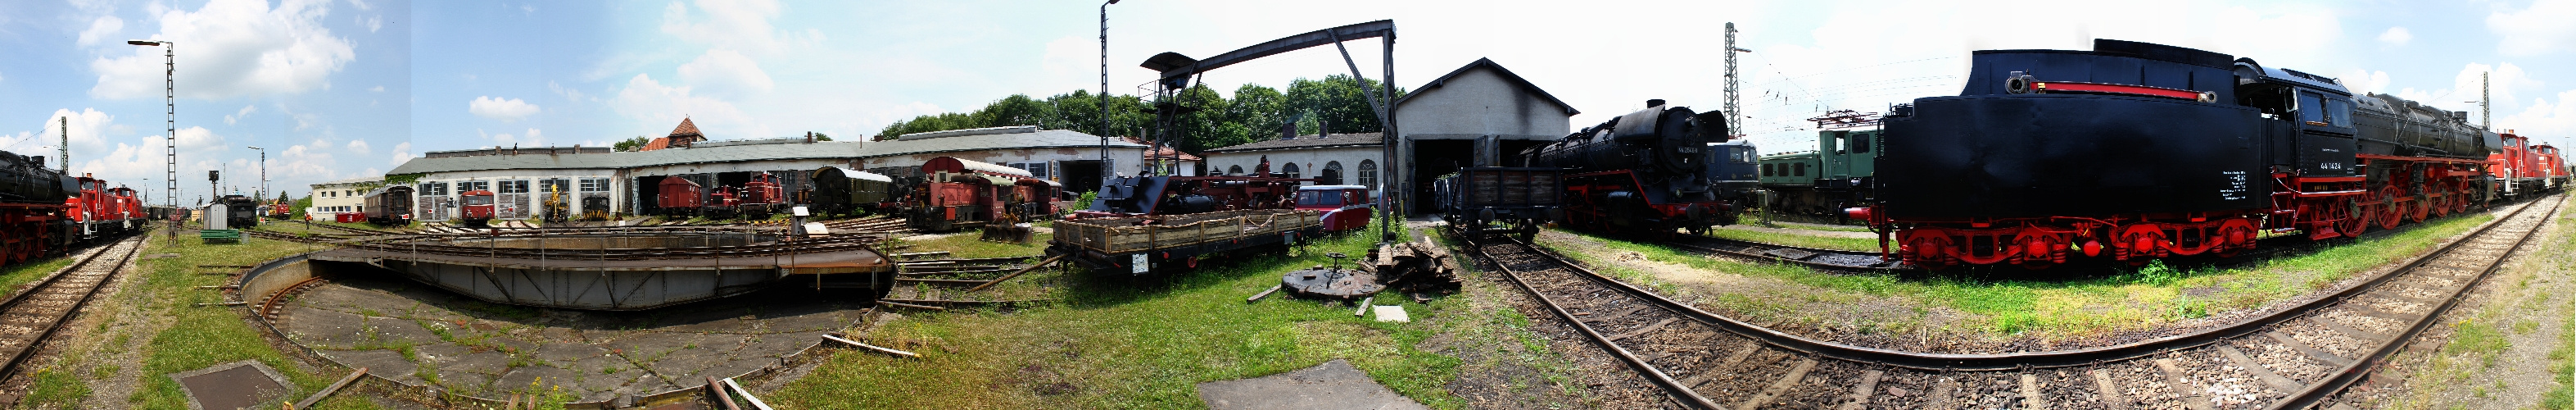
(621, 270)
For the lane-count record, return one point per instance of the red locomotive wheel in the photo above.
(2391, 209)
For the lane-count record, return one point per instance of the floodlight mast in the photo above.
(170, 121)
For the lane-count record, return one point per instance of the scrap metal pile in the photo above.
(1419, 267)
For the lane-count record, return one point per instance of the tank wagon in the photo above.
(1644, 173)
(2137, 151)
(389, 206)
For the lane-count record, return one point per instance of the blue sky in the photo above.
(341, 88)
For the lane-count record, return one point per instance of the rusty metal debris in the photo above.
(1332, 282)
(1416, 267)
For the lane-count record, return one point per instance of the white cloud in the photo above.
(362, 4)
(233, 48)
(358, 146)
(2396, 36)
(2504, 83)
(2537, 30)
(534, 137)
(569, 93)
(506, 110)
(743, 24)
(373, 23)
(649, 101)
(89, 131)
(402, 153)
(2361, 81)
(725, 73)
(376, 89)
(243, 113)
(102, 30)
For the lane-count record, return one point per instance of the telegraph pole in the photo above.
(1734, 115)
(67, 146)
(2486, 118)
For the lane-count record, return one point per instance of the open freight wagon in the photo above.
(1142, 244)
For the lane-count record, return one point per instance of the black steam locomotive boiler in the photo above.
(2136, 151)
(1644, 173)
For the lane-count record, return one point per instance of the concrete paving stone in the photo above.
(557, 334)
(563, 354)
(599, 366)
(1332, 385)
(332, 298)
(522, 378)
(326, 329)
(645, 346)
(486, 362)
(600, 386)
(823, 321)
(437, 355)
(468, 383)
(684, 363)
(514, 344)
(732, 368)
(779, 345)
(400, 331)
(387, 363)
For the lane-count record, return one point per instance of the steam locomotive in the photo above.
(2138, 151)
(1644, 173)
(958, 193)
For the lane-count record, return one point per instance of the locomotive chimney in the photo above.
(1652, 103)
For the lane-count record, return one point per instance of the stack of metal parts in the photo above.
(1420, 267)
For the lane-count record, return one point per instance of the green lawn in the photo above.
(1810, 241)
(1118, 342)
(1983, 305)
(194, 337)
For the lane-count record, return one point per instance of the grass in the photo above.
(1810, 241)
(1117, 341)
(205, 336)
(964, 245)
(2013, 303)
(2562, 369)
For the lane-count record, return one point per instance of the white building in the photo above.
(626, 182)
(1441, 121)
(1338, 158)
(342, 196)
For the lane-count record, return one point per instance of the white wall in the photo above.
(532, 202)
(1479, 102)
(1310, 162)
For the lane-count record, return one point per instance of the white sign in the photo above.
(1138, 263)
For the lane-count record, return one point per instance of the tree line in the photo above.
(1256, 112)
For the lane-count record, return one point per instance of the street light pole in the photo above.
(170, 120)
(1104, 95)
(263, 174)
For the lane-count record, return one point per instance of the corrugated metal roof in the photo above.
(1305, 141)
(757, 151)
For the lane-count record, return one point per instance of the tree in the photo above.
(820, 137)
(1255, 113)
(631, 144)
(1338, 102)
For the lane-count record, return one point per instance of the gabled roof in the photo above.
(1309, 141)
(681, 136)
(1162, 152)
(1507, 74)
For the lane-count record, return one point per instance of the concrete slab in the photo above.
(1332, 385)
(387, 363)
(570, 348)
(229, 386)
(1392, 313)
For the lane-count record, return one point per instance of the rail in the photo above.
(1619, 316)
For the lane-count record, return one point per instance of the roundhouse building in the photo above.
(1479, 107)
(624, 182)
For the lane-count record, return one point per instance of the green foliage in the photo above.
(630, 144)
(1255, 113)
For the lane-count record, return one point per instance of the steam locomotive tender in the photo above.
(1643, 173)
(2137, 151)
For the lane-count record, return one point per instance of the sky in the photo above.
(334, 89)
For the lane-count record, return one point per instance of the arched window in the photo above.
(1368, 172)
(1291, 169)
(1234, 170)
(1332, 171)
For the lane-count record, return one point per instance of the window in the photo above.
(1332, 168)
(1860, 145)
(1368, 172)
(1800, 170)
(594, 185)
(1319, 198)
(2339, 112)
(433, 188)
(1234, 170)
(473, 186)
(519, 186)
(1291, 169)
(1036, 169)
(1766, 169)
(554, 185)
(478, 200)
(1840, 142)
(2311, 109)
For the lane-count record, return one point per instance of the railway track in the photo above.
(1820, 258)
(30, 317)
(2302, 356)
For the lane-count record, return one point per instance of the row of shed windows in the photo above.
(338, 208)
(516, 186)
(1367, 176)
